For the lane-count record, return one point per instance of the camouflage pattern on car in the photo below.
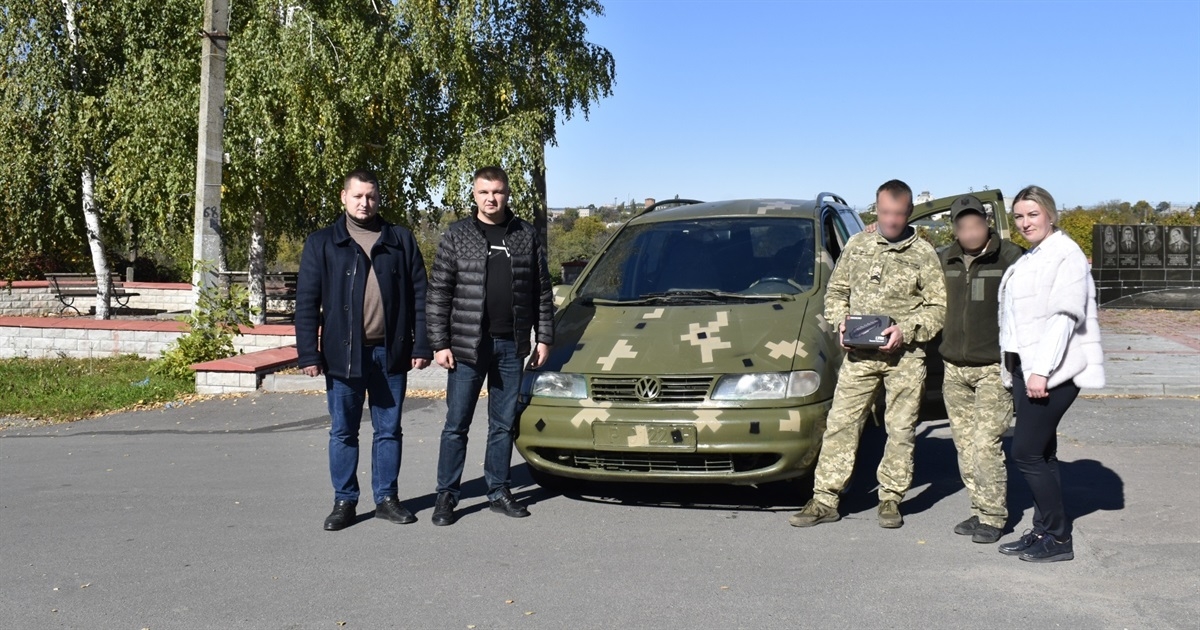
(697, 352)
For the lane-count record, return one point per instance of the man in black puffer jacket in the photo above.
(488, 291)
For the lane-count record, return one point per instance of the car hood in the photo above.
(727, 338)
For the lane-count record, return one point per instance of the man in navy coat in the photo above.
(362, 286)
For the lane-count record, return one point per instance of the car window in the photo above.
(740, 255)
(835, 234)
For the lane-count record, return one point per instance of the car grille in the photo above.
(647, 463)
(674, 389)
(656, 462)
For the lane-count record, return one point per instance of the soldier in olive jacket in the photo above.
(979, 406)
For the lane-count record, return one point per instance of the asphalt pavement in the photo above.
(209, 516)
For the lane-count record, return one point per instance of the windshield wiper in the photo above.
(683, 295)
(714, 294)
(588, 301)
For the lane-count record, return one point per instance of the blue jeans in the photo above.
(345, 396)
(499, 363)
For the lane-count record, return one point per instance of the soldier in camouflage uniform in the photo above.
(895, 273)
(979, 406)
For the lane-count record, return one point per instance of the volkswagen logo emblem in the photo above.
(647, 388)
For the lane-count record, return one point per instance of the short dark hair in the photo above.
(363, 175)
(491, 174)
(896, 188)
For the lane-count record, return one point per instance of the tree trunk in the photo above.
(91, 216)
(257, 280)
(538, 176)
(91, 219)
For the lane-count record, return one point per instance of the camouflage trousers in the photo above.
(903, 378)
(980, 410)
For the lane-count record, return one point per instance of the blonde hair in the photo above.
(1041, 197)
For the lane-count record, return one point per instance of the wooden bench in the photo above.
(68, 286)
(279, 286)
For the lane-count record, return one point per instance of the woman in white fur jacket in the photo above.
(1050, 346)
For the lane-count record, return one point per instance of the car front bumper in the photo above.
(743, 445)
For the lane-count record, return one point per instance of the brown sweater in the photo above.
(373, 326)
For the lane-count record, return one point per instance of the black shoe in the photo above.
(1018, 547)
(967, 527)
(443, 510)
(1049, 549)
(341, 517)
(390, 509)
(985, 534)
(508, 506)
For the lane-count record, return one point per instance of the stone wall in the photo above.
(20, 299)
(88, 338)
(34, 298)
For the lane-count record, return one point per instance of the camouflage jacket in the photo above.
(901, 280)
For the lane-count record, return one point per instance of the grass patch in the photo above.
(64, 389)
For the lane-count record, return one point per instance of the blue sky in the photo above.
(728, 99)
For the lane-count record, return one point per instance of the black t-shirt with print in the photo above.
(498, 305)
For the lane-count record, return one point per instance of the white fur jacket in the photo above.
(1054, 279)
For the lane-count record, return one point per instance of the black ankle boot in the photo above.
(341, 517)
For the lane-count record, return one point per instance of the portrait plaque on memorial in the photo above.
(1128, 247)
(1179, 246)
(1151, 247)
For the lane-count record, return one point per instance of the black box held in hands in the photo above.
(866, 331)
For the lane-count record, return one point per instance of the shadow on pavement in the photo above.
(525, 491)
(772, 497)
(935, 470)
(1088, 486)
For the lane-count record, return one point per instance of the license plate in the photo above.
(632, 436)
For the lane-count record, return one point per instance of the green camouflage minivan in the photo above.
(693, 348)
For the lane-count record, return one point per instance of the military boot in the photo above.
(889, 515)
(967, 527)
(986, 534)
(814, 513)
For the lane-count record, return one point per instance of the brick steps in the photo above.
(242, 373)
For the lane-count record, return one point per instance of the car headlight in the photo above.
(767, 386)
(558, 385)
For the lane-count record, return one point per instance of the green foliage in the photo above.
(584, 240)
(568, 219)
(213, 324)
(64, 389)
(117, 104)
(423, 92)
(506, 71)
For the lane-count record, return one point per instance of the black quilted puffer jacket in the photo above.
(454, 304)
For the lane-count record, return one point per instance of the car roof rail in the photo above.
(822, 196)
(666, 203)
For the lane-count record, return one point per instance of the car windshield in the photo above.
(706, 259)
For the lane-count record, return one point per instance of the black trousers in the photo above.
(1035, 451)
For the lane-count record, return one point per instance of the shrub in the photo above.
(214, 323)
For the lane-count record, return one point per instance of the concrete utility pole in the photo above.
(206, 246)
